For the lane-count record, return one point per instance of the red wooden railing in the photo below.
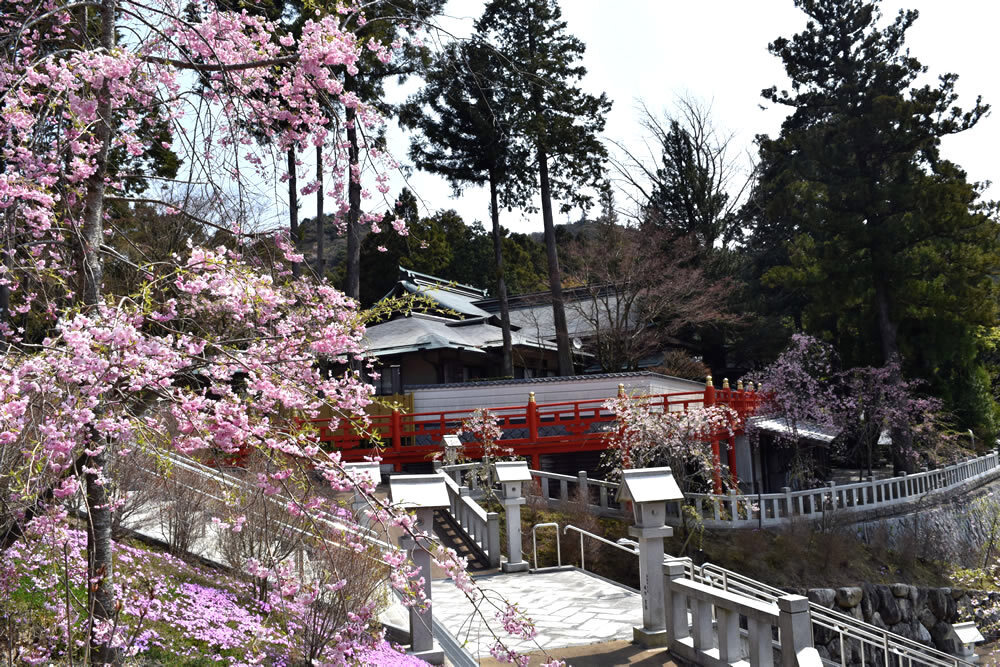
(531, 430)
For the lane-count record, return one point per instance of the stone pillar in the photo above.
(512, 508)
(653, 632)
(795, 624)
(422, 644)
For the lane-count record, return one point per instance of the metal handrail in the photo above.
(596, 537)
(534, 542)
(828, 618)
(848, 627)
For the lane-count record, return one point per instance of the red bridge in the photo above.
(531, 430)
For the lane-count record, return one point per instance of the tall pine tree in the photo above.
(465, 135)
(558, 119)
(889, 244)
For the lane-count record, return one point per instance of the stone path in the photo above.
(569, 608)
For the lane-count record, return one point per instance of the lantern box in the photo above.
(419, 491)
(649, 490)
(511, 474)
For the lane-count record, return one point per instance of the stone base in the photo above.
(649, 639)
(508, 567)
(434, 656)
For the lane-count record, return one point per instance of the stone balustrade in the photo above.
(695, 637)
(736, 510)
(481, 528)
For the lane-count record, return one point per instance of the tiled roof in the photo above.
(420, 331)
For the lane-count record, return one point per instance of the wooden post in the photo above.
(716, 456)
(396, 428)
(532, 417)
(734, 478)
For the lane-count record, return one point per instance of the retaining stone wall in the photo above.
(922, 614)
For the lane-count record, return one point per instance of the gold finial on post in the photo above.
(708, 381)
(725, 383)
(759, 386)
(739, 385)
(531, 397)
(621, 389)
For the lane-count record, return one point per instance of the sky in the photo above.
(715, 52)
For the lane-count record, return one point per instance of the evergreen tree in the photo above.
(467, 139)
(558, 119)
(385, 21)
(888, 243)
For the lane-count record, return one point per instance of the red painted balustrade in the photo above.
(531, 430)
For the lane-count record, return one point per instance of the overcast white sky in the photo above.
(715, 51)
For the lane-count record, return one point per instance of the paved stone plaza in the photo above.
(569, 608)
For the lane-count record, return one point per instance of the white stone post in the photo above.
(654, 614)
(511, 475)
(583, 488)
(514, 563)
(675, 602)
(649, 490)
(359, 503)
(795, 625)
(421, 494)
(422, 644)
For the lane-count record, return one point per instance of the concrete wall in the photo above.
(469, 396)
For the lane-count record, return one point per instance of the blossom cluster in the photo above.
(805, 386)
(649, 436)
(167, 608)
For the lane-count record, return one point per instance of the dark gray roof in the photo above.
(420, 331)
(448, 295)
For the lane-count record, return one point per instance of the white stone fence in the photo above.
(693, 637)
(482, 528)
(741, 511)
(752, 510)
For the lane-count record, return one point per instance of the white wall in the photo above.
(471, 396)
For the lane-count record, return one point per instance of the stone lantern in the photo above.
(422, 494)
(649, 490)
(511, 475)
(361, 470)
(965, 637)
(452, 446)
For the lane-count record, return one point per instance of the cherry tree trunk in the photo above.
(352, 283)
(320, 241)
(293, 207)
(101, 596)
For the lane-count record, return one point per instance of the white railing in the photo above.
(872, 645)
(855, 637)
(695, 637)
(481, 528)
(740, 511)
(752, 510)
(467, 474)
(600, 496)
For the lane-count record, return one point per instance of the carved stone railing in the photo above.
(695, 637)
(481, 529)
(767, 509)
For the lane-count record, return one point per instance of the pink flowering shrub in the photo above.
(481, 427)
(169, 608)
(649, 437)
(805, 386)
